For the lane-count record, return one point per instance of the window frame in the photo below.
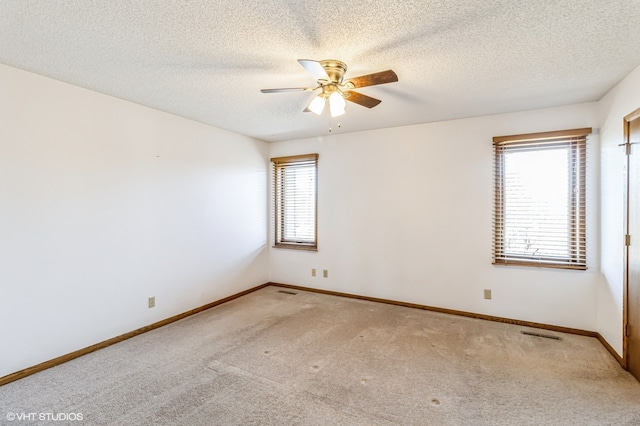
(279, 165)
(575, 140)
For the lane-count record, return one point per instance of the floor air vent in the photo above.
(286, 292)
(546, 336)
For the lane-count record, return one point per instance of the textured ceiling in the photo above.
(207, 60)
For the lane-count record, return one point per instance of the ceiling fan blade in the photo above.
(381, 77)
(288, 89)
(360, 99)
(314, 68)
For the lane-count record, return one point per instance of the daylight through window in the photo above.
(295, 201)
(540, 197)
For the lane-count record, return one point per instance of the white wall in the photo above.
(406, 214)
(104, 203)
(619, 102)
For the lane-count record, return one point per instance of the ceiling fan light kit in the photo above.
(317, 105)
(336, 104)
(329, 74)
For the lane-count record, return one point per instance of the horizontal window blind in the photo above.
(295, 201)
(540, 198)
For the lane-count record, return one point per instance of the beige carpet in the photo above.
(271, 358)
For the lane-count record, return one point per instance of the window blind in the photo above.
(295, 201)
(540, 199)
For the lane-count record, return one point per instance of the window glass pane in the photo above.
(537, 203)
(299, 204)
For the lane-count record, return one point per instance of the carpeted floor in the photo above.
(272, 358)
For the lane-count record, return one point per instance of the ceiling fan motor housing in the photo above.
(335, 69)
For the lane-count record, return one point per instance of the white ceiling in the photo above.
(208, 59)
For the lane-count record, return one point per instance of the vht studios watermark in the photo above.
(51, 417)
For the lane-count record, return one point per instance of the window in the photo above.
(295, 201)
(539, 212)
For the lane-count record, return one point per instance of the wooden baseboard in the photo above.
(68, 357)
(612, 351)
(465, 314)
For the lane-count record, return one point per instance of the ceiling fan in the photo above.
(329, 74)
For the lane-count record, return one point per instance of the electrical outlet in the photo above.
(152, 302)
(487, 293)
(325, 273)
(313, 272)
